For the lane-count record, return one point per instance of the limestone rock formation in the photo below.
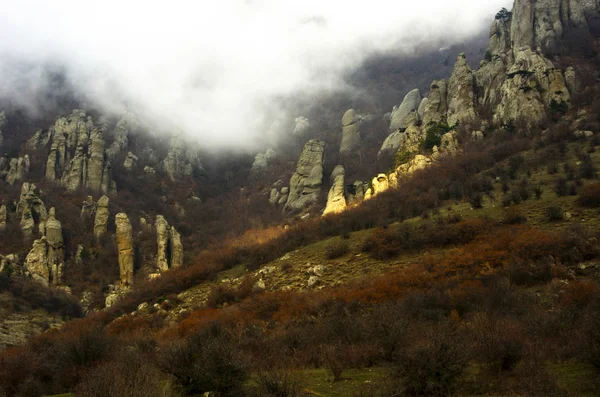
(355, 193)
(101, 219)
(3, 217)
(31, 209)
(400, 119)
(77, 157)
(39, 140)
(302, 126)
(437, 105)
(422, 107)
(379, 184)
(170, 249)
(126, 125)
(461, 93)
(262, 160)
(88, 208)
(181, 160)
(125, 248)
(391, 144)
(350, 133)
(45, 261)
(176, 248)
(336, 200)
(17, 169)
(130, 161)
(306, 183)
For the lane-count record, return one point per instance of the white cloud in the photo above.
(214, 68)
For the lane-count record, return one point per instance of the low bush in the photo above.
(432, 368)
(554, 213)
(337, 249)
(590, 196)
(514, 216)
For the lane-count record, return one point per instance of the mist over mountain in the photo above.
(219, 72)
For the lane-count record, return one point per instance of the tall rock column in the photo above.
(350, 133)
(56, 248)
(306, 183)
(125, 247)
(101, 220)
(170, 248)
(176, 248)
(162, 241)
(336, 200)
(461, 93)
(2, 217)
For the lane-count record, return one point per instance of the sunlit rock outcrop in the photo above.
(336, 200)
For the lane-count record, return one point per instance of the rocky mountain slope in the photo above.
(143, 233)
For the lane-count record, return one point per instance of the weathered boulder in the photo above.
(461, 93)
(437, 105)
(101, 219)
(130, 161)
(350, 133)
(302, 126)
(419, 162)
(149, 170)
(355, 193)
(306, 183)
(391, 144)
(336, 200)
(400, 114)
(380, 184)
(125, 248)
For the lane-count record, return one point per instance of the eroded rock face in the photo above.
(170, 248)
(130, 161)
(263, 160)
(77, 157)
(306, 183)
(302, 126)
(350, 133)
(88, 208)
(101, 219)
(391, 144)
(125, 248)
(336, 200)
(437, 105)
(400, 119)
(17, 169)
(3, 217)
(45, 261)
(461, 93)
(181, 160)
(126, 125)
(31, 209)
